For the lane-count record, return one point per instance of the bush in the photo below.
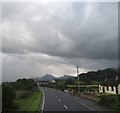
(109, 101)
(26, 84)
(8, 96)
(21, 89)
(22, 94)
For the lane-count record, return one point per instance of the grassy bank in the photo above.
(32, 103)
(111, 101)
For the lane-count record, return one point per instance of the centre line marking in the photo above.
(60, 100)
(65, 107)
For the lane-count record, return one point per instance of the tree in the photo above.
(8, 96)
(26, 84)
(70, 81)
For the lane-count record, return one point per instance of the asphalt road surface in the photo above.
(55, 100)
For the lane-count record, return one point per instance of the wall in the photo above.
(119, 89)
(109, 89)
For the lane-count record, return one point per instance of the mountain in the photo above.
(65, 77)
(47, 77)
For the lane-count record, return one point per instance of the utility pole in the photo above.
(78, 81)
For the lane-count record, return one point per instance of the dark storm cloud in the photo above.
(85, 30)
(59, 36)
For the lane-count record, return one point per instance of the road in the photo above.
(55, 100)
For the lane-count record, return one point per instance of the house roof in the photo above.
(111, 82)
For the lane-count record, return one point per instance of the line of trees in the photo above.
(99, 75)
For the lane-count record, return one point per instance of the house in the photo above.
(110, 86)
(43, 82)
(52, 81)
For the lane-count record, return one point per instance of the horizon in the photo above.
(60, 75)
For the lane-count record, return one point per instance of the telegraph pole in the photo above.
(78, 81)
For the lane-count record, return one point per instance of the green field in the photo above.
(32, 103)
(81, 82)
(84, 86)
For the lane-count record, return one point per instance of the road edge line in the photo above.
(81, 103)
(88, 106)
(43, 101)
(65, 107)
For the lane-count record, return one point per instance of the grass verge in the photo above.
(111, 101)
(31, 103)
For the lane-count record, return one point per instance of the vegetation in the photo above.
(8, 96)
(22, 95)
(98, 76)
(25, 84)
(111, 101)
(90, 78)
(81, 82)
(30, 104)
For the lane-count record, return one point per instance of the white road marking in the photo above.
(81, 103)
(43, 102)
(87, 106)
(59, 100)
(65, 107)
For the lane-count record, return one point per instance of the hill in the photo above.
(91, 77)
(46, 77)
(65, 77)
(99, 75)
(49, 77)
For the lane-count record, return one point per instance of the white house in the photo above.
(110, 86)
(53, 81)
(119, 88)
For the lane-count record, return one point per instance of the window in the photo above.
(107, 87)
(103, 89)
(112, 88)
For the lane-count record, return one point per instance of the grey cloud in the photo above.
(34, 65)
(58, 36)
(79, 29)
(95, 39)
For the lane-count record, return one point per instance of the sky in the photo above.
(55, 37)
